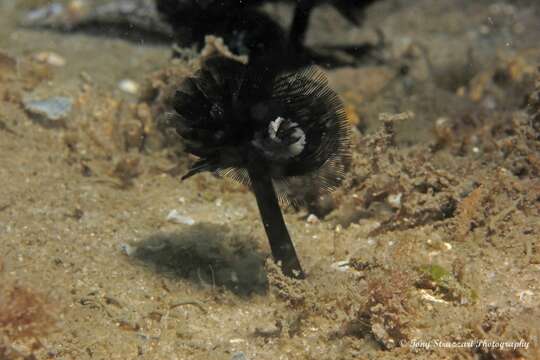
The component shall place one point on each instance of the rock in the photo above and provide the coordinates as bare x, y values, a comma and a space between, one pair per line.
394, 200
382, 336
239, 356
42, 14
267, 330
50, 58
312, 219
54, 109
175, 217
128, 249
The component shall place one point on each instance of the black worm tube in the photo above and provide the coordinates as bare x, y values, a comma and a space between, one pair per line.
280, 242
300, 22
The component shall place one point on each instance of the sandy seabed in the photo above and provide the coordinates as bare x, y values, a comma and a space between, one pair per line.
430, 250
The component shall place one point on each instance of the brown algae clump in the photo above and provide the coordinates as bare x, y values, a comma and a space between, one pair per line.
25, 316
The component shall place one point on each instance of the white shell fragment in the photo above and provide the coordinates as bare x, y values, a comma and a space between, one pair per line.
342, 265
175, 217
430, 298
128, 86
236, 341
525, 296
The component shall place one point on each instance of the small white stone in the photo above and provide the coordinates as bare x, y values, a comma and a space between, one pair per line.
236, 341
441, 122
312, 219
428, 297
128, 249
128, 86
50, 58
395, 200
175, 217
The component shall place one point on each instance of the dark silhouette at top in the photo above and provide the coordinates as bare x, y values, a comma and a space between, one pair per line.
247, 30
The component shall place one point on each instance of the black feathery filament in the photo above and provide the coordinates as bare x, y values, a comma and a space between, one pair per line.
264, 127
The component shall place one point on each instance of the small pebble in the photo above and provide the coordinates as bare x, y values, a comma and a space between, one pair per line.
236, 341
430, 298
395, 200
42, 14
128, 86
177, 218
50, 58
312, 219
52, 109
128, 249
239, 356
268, 330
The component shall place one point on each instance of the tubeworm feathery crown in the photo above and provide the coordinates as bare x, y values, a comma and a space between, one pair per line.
264, 127
293, 122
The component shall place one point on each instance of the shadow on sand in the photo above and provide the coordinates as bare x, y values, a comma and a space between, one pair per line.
208, 255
